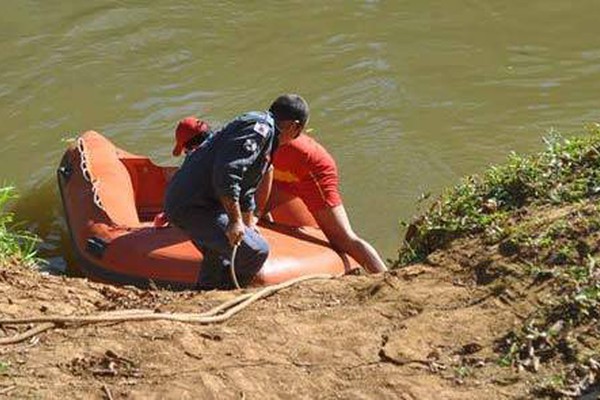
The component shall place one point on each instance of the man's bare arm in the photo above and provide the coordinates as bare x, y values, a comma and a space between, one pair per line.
235, 227
263, 192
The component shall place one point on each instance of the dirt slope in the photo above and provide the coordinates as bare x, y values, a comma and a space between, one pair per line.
416, 333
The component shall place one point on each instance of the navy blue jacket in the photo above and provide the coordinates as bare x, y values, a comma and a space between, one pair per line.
230, 162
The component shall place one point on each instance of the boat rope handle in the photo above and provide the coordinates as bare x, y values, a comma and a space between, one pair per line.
87, 175
232, 267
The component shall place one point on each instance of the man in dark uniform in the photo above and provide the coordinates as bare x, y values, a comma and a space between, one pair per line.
211, 197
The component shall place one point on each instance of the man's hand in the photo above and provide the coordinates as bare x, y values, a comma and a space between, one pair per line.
250, 220
235, 227
235, 232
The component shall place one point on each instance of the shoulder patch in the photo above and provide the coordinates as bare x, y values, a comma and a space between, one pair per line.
262, 129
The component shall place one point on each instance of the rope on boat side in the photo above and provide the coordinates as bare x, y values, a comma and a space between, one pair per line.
218, 314
87, 174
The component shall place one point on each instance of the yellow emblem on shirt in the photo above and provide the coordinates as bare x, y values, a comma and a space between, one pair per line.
285, 176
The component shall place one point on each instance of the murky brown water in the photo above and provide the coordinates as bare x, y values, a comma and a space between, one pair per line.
408, 96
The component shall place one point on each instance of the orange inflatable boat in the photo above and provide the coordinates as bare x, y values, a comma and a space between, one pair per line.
110, 198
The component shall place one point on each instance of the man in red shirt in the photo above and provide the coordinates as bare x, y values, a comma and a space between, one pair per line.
303, 168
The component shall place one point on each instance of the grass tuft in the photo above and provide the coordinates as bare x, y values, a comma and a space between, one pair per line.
17, 246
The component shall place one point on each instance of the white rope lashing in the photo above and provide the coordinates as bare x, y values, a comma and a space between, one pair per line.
87, 175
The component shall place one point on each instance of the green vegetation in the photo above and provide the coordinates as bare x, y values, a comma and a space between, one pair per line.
462, 372
16, 245
540, 216
568, 171
4, 366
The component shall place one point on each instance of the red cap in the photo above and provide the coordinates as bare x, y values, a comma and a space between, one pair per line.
186, 130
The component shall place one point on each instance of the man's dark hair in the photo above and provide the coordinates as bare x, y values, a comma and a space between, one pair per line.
290, 107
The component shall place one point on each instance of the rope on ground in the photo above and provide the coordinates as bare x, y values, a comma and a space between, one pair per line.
21, 337
218, 314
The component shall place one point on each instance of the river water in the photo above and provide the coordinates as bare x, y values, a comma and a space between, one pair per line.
407, 95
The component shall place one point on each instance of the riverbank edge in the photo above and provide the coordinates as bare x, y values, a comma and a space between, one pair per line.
528, 232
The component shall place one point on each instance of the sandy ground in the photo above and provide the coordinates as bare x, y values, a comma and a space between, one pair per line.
416, 333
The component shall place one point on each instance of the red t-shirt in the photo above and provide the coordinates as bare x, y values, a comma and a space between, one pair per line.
305, 169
